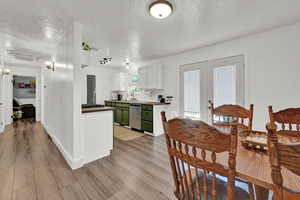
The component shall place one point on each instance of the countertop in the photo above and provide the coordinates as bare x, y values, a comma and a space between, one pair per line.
140, 102
96, 109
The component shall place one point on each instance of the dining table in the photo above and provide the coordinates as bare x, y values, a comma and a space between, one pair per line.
254, 167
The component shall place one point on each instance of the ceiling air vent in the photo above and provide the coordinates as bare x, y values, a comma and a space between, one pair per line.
26, 54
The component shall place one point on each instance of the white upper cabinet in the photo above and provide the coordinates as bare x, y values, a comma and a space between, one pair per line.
121, 82
150, 78
143, 78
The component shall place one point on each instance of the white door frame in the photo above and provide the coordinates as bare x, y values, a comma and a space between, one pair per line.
7, 99
206, 81
202, 66
38, 94
240, 79
2, 121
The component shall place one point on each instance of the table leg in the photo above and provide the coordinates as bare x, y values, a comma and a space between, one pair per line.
261, 193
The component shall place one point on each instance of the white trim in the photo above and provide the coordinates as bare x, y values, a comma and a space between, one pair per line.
203, 67
38, 89
206, 81
2, 111
73, 164
96, 157
239, 61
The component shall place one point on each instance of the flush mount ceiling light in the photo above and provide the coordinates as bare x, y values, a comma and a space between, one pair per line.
160, 9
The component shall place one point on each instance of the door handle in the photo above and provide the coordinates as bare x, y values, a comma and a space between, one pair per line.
209, 104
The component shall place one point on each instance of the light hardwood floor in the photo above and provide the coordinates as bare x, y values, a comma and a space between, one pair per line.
32, 168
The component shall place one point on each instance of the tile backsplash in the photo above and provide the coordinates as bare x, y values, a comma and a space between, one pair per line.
142, 95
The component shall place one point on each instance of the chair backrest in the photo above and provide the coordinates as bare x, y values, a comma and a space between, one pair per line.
289, 119
282, 155
193, 147
223, 114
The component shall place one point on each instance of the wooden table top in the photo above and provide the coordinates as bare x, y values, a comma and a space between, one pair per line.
251, 166
254, 167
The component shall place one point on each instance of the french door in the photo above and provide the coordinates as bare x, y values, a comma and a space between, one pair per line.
220, 81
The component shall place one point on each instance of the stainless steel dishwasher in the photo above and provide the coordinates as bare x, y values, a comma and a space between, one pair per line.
135, 115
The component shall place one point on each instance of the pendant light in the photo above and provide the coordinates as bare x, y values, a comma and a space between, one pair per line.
160, 9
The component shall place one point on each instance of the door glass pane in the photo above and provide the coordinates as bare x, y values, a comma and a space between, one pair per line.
192, 94
224, 80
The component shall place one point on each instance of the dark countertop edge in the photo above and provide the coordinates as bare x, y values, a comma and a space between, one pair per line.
142, 103
89, 110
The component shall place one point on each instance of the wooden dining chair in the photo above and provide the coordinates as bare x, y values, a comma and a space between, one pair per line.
289, 119
222, 115
283, 155
193, 147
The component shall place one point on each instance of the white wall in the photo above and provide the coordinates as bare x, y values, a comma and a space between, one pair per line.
58, 108
103, 83
7, 99
62, 98
272, 68
58, 98
34, 72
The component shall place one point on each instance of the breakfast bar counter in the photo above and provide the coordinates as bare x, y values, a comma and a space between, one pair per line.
96, 109
153, 103
97, 128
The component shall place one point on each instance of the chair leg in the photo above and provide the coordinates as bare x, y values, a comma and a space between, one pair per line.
251, 191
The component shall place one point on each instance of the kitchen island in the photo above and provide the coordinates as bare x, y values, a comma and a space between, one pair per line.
149, 119
97, 127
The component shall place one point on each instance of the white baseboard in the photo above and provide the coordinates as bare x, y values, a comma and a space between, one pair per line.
77, 163
97, 157
73, 164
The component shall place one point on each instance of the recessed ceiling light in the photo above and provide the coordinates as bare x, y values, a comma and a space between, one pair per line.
160, 9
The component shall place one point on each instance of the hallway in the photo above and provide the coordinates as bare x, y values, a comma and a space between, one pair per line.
31, 167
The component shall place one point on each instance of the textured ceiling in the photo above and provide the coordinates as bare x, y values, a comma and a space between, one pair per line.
123, 28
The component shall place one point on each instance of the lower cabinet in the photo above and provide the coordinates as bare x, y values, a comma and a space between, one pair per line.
122, 116
125, 116
118, 115
147, 126
147, 118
